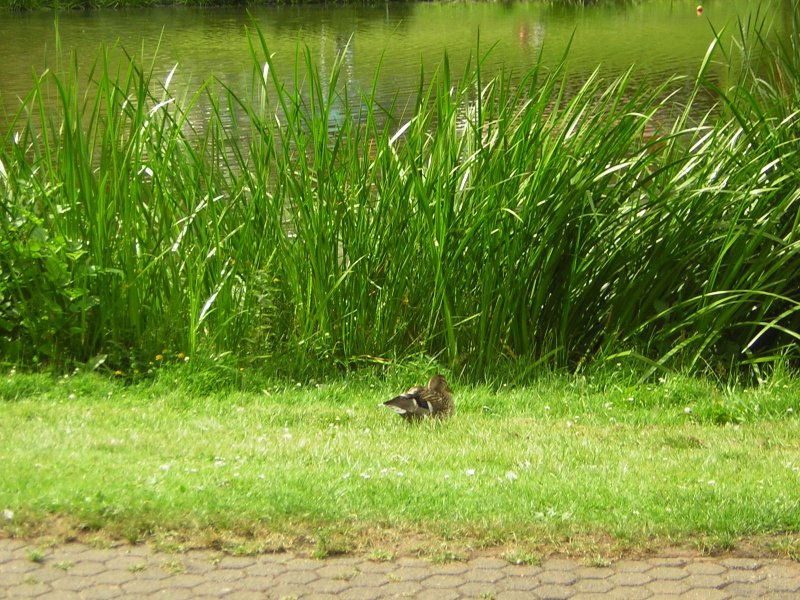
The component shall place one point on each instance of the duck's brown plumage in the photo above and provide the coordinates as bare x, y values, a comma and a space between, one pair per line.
418, 402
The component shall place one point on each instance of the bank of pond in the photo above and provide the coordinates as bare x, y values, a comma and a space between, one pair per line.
526, 219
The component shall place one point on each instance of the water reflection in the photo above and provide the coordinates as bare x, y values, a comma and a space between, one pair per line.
662, 38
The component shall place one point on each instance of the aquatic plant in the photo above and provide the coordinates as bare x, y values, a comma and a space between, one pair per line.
508, 219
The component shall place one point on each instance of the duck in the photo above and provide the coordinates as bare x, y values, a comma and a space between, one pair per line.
435, 400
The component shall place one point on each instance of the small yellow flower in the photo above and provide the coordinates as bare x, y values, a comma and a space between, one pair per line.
117, 373
159, 357
181, 356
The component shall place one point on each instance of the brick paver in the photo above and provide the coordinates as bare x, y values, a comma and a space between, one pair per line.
31, 570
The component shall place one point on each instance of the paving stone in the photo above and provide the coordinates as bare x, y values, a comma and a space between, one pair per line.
519, 583
174, 594
412, 562
225, 575
437, 594
667, 562
705, 568
362, 593
453, 568
398, 589
143, 586
485, 575
153, 573
185, 580
486, 562
667, 586
743, 590
60, 595
335, 571
783, 584
513, 595
113, 576
557, 577
213, 588
28, 590
475, 590
629, 593
10, 546
593, 573
87, 568
782, 596
236, 562
553, 592
287, 591
668, 573
630, 578
296, 577
101, 592
557, 564
704, 581
45, 575
411, 573
302, 564
20, 565
371, 566
593, 586
744, 576
70, 583
521, 570
264, 569
257, 583
705, 594
631, 566
442, 582
372, 580
100, 555
244, 595
328, 586
747, 564
123, 563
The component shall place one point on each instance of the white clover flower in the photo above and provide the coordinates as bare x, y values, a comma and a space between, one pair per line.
511, 476
470, 472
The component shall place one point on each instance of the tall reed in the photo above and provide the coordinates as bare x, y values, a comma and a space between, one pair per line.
499, 220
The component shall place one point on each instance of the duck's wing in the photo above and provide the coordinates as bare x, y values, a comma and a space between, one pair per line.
416, 402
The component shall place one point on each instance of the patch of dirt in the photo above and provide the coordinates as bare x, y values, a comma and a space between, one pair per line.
389, 542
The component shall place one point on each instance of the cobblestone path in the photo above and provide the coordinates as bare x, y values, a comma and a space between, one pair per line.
79, 571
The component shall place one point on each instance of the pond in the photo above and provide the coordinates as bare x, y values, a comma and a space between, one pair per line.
661, 38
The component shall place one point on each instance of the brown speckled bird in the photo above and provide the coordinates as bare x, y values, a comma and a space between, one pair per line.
436, 400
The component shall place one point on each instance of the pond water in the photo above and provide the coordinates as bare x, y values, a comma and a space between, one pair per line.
661, 38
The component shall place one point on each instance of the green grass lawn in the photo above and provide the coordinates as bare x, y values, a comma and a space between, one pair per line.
563, 465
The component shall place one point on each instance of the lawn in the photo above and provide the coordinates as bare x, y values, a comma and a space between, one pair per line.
599, 466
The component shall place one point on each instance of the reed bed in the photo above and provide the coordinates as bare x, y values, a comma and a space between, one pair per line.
499, 221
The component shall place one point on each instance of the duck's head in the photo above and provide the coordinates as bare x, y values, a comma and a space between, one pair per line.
438, 384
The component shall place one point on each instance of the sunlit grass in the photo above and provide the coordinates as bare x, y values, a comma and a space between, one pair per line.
530, 467
530, 220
